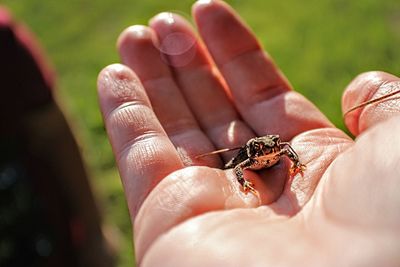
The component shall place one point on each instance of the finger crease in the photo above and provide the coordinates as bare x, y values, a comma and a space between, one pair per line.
245, 52
135, 103
266, 93
126, 148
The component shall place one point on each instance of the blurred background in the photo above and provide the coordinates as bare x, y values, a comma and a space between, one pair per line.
319, 45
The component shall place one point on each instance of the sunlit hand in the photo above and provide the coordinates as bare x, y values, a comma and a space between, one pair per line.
180, 95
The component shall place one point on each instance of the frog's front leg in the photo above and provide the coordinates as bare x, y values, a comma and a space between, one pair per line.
297, 166
247, 186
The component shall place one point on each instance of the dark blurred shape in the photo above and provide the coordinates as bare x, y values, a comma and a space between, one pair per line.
48, 215
26, 80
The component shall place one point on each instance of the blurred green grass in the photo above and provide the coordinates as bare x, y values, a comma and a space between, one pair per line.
319, 45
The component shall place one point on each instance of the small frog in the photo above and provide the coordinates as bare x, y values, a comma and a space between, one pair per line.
260, 153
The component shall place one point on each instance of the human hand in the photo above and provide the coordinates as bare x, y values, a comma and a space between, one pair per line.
343, 211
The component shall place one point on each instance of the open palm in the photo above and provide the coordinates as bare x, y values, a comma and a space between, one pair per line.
218, 91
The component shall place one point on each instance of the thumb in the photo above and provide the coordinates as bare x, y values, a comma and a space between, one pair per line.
365, 87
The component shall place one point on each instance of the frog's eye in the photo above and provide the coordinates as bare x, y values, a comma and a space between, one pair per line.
276, 139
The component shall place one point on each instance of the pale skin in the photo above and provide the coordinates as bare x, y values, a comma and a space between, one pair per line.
343, 211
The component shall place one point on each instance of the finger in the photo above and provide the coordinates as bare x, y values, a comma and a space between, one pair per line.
260, 91
365, 87
143, 151
199, 81
236, 51
138, 49
186, 194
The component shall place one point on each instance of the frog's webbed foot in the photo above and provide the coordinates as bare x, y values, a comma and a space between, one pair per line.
296, 168
249, 187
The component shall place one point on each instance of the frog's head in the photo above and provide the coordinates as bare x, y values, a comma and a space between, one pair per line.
269, 141
263, 145
275, 140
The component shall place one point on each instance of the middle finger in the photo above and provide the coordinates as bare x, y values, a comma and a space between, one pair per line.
199, 81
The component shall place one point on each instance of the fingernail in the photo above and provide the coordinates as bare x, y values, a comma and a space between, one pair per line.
204, 2
167, 17
139, 31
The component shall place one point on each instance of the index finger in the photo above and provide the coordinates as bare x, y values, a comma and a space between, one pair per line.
143, 151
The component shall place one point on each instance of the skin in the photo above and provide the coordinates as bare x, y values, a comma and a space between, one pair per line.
218, 89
